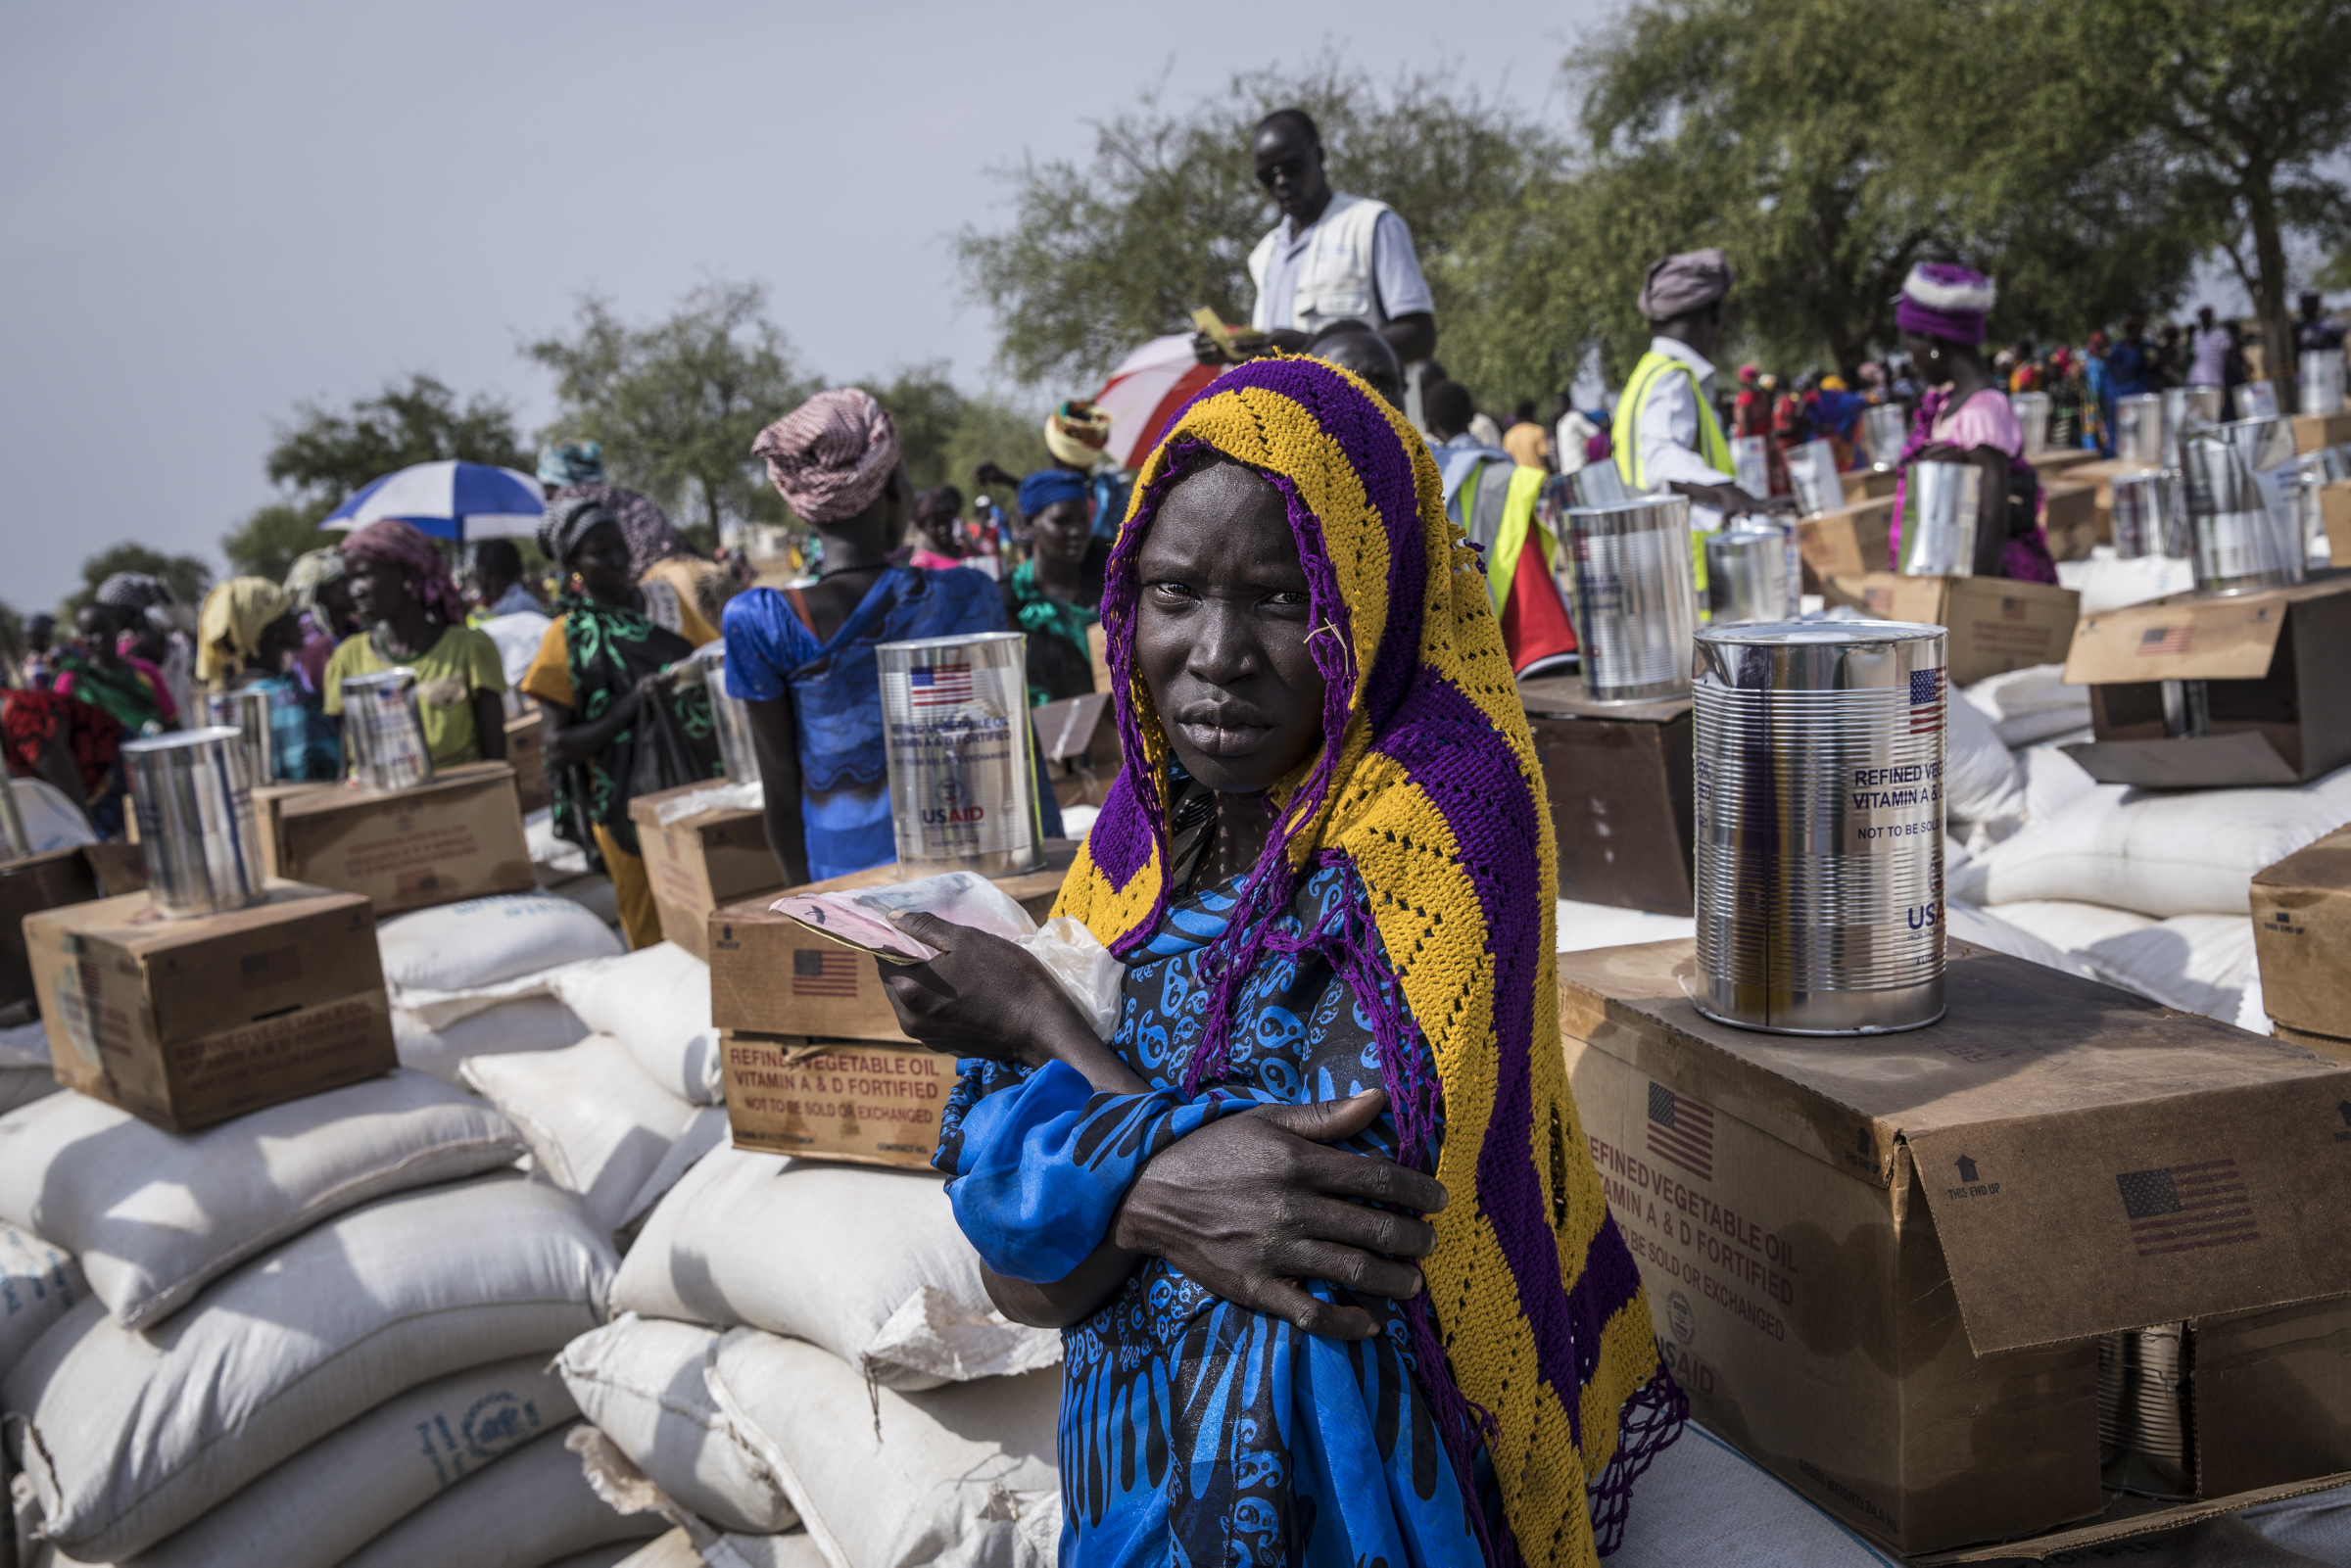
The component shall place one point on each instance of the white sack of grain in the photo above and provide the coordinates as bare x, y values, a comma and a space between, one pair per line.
2194, 963
154, 1215
40, 1282
1981, 783
595, 1123
342, 1492
2161, 853
639, 1380
442, 964
658, 1003
525, 1023
532, 1509
125, 1437
964, 1474
865, 1262
2029, 705
709, 1129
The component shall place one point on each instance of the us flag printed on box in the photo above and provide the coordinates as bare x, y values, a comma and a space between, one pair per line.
1681, 1132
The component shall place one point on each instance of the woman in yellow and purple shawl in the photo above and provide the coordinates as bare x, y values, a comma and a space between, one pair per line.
1327, 865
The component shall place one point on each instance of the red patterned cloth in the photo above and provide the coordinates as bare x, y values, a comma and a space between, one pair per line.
830, 456
28, 719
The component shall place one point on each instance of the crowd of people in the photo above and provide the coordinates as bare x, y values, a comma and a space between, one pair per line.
1259, 591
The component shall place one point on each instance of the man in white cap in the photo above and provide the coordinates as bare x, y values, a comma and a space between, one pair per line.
1665, 432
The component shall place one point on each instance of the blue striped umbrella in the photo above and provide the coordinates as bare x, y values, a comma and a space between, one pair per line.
449, 499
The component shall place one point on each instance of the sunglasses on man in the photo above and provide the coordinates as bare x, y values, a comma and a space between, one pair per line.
1292, 169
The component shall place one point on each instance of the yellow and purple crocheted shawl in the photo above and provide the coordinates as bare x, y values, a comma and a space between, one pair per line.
1427, 785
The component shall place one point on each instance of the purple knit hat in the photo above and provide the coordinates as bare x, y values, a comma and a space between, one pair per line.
1944, 299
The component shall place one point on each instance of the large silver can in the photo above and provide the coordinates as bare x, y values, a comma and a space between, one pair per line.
2321, 381
2149, 515
1746, 574
1750, 464
1885, 431
1812, 474
2240, 482
962, 768
1636, 598
1938, 519
2139, 432
2031, 410
246, 711
729, 715
383, 724
1819, 825
196, 825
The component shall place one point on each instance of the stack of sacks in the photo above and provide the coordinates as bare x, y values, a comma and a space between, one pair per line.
806, 1346
24, 1075
306, 1335
2151, 890
472, 978
619, 1116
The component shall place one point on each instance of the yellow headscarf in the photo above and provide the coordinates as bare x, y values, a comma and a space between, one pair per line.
1428, 785
229, 630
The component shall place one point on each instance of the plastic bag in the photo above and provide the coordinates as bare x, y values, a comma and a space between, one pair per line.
1085, 970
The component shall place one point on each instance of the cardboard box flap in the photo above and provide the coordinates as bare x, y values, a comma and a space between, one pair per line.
1067, 729
2063, 1225
2238, 759
1851, 1100
2322, 870
2184, 638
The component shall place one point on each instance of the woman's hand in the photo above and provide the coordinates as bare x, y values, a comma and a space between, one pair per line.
1250, 1205
983, 996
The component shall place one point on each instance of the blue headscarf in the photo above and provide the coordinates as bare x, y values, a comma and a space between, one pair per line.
578, 462
1046, 486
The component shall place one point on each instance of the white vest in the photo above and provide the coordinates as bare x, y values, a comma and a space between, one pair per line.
1335, 276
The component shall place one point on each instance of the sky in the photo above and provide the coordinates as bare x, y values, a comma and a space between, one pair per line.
213, 211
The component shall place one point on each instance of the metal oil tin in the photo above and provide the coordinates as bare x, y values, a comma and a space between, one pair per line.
246, 711
2244, 515
1812, 473
1746, 574
383, 724
2140, 437
1636, 602
729, 715
1938, 520
2321, 381
1819, 825
962, 765
2149, 519
1885, 431
196, 825
2032, 410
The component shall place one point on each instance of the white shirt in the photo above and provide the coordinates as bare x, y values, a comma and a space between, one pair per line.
1356, 259
1573, 435
1668, 422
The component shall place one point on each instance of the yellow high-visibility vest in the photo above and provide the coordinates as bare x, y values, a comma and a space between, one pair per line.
1713, 448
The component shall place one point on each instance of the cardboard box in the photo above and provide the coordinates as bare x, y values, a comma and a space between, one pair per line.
1866, 483
185, 1022
2315, 432
2334, 1045
771, 975
871, 1105
2066, 460
1097, 650
53, 881
456, 838
2335, 510
2074, 521
1880, 1267
2269, 666
1078, 739
1618, 778
1848, 542
1995, 623
2302, 936
700, 862
526, 754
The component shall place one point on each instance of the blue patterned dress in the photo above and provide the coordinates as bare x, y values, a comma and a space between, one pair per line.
1195, 1432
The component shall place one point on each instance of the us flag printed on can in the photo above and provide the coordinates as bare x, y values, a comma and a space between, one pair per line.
961, 755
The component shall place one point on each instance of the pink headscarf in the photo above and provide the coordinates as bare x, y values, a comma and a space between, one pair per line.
394, 542
830, 456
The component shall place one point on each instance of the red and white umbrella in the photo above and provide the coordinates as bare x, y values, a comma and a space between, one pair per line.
1144, 393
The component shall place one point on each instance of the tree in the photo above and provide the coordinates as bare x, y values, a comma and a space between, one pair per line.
677, 405
1102, 257
945, 433
1752, 126
2245, 105
266, 544
187, 576
324, 455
